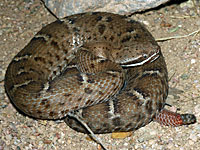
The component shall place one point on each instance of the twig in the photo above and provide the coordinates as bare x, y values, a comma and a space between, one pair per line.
182, 17
172, 76
92, 135
42, 1
177, 37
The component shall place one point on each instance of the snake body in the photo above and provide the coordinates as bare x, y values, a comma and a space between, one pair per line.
138, 103
135, 106
105, 67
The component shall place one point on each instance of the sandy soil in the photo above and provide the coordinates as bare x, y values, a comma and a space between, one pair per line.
20, 20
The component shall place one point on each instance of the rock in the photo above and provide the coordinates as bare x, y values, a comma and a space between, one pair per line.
64, 8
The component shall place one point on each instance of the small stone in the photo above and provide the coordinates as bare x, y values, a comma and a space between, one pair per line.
184, 76
121, 135
197, 127
69, 141
8, 137
198, 22
182, 148
173, 109
196, 109
47, 141
43, 122
126, 144
170, 145
32, 137
89, 138
1, 74
146, 23
188, 4
136, 146
193, 137
191, 142
151, 142
153, 132
141, 139
193, 61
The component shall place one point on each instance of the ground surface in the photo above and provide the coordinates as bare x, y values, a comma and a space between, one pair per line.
20, 20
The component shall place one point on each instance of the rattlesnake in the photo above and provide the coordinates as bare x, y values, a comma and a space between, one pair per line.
103, 67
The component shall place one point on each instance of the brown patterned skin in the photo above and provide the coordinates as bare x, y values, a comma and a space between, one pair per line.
135, 106
77, 62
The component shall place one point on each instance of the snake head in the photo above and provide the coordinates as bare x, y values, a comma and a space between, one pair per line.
137, 48
137, 55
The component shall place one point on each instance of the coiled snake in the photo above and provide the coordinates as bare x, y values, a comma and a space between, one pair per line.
104, 67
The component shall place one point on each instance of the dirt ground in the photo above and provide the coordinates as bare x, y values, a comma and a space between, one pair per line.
20, 20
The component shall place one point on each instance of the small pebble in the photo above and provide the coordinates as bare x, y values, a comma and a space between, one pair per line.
8, 137
170, 146
193, 137
196, 109
126, 144
182, 148
154, 132
193, 61
191, 142
32, 137
198, 22
47, 141
184, 76
151, 142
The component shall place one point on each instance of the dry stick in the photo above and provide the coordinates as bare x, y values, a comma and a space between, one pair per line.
177, 37
172, 76
49, 10
94, 137
182, 17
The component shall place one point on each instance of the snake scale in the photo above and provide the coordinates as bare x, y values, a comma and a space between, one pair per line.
104, 67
